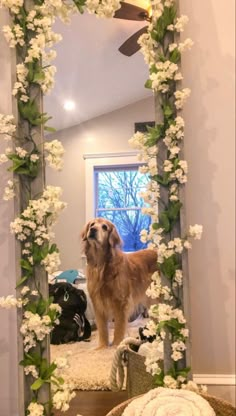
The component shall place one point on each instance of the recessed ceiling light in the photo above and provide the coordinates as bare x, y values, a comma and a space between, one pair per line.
69, 105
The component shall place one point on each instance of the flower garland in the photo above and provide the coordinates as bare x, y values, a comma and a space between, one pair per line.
167, 322
32, 37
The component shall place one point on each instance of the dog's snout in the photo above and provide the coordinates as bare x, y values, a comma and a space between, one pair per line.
92, 232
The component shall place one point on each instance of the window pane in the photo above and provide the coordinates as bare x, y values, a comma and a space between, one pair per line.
129, 223
120, 188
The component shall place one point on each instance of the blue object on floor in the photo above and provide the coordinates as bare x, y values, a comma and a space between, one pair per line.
69, 275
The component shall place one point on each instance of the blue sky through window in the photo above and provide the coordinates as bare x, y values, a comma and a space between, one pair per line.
117, 199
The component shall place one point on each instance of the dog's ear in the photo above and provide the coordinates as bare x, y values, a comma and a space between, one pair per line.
85, 232
114, 238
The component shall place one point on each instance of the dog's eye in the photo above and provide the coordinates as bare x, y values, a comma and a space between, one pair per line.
93, 223
104, 227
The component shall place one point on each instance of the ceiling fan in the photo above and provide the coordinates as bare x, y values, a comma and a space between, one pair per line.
129, 11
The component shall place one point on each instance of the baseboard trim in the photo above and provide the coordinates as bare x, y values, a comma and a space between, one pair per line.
215, 379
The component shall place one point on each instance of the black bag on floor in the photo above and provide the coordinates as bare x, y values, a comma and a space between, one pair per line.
73, 325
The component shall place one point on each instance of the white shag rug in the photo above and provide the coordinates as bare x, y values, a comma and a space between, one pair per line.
89, 369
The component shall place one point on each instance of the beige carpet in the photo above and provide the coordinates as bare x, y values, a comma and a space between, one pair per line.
89, 369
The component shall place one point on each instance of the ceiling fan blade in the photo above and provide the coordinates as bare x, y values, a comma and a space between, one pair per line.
131, 46
130, 12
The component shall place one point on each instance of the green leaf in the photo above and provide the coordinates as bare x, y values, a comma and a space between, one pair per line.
174, 323
31, 307
38, 76
50, 370
50, 129
60, 380
183, 372
167, 110
26, 265
53, 248
28, 110
155, 226
22, 280
80, 5
175, 56
164, 221
174, 210
168, 267
42, 306
37, 384
159, 379
162, 180
148, 84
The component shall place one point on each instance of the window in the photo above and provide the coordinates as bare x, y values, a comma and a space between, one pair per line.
117, 199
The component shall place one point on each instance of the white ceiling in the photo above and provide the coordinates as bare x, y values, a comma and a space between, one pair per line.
92, 72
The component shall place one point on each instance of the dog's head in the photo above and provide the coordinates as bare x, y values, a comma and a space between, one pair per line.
100, 231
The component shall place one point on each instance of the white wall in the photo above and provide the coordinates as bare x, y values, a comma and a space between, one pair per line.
8, 343
104, 134
209, 148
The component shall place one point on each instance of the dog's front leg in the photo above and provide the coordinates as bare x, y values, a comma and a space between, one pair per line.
121, 315
102, 326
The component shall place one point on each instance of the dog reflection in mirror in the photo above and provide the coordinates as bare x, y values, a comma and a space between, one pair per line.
117, 281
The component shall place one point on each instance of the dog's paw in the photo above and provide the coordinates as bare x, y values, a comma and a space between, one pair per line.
101, 347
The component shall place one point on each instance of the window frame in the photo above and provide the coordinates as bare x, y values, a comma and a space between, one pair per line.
108, 160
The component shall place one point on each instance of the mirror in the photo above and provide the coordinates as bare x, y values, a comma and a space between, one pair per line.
109, 97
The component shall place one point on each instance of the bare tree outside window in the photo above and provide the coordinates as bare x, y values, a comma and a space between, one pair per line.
117, 199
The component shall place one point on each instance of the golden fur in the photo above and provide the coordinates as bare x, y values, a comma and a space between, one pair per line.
117, 281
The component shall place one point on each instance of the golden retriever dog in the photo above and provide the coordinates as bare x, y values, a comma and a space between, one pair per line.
117, 281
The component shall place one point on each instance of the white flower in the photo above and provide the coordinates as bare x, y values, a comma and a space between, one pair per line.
176, 355
34, 157
51, 262
9, 191
25, 290
187, 44
62, 397
55, 152
166, 71
187, 244
147, 47
180, 23
34, 328
104, 8
195, 231
9, 302
31, 369
21, 152
143, 236
181, 97
6, 125
170, 382
3, 158
150, 329
55, 307
35, 409
184, 332
178, 277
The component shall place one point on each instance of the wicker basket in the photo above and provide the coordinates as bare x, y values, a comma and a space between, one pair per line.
138, 380
221, 407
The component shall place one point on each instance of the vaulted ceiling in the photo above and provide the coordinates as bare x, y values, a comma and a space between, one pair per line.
92, 72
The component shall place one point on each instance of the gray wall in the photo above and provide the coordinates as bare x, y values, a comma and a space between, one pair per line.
8, 343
